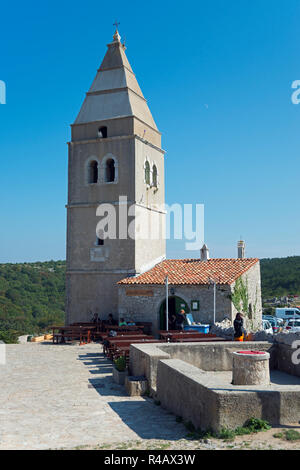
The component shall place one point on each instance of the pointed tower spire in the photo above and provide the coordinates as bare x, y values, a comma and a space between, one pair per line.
115, 92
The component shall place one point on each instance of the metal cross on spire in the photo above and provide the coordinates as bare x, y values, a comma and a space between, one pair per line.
116, 36
116, 24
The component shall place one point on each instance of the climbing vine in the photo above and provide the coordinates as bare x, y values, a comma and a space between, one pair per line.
240, 296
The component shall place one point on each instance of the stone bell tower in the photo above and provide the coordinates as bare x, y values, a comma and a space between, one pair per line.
115, 158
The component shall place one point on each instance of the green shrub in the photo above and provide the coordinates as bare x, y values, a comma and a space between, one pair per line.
120, 364
227, 434
292, 435
279, 435
9, 336
256, 424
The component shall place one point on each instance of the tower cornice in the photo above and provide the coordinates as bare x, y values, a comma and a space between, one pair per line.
110, 139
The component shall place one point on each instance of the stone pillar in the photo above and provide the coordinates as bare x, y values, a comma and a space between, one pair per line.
251, 368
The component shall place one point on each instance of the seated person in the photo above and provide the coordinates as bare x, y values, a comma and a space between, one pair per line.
95, 318
122, 322
110, 320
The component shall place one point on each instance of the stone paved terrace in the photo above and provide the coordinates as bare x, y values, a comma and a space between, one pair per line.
62, 396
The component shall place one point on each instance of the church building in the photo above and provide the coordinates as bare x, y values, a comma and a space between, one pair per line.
116, 161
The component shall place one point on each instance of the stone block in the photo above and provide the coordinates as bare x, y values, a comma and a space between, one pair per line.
119, 376
136, 386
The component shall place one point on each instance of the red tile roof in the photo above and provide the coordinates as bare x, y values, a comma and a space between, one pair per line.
194, 271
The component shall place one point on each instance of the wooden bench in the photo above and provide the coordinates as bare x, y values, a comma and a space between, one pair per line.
121, 334
172, 335
56, 337
198, 340
123, 348
110, 342
112, 350
70, 333
122, 328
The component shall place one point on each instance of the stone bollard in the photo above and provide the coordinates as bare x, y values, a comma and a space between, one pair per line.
251, 368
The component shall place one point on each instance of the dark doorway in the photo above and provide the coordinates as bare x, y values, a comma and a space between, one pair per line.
175, 304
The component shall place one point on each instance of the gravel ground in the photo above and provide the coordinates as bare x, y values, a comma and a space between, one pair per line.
260, 441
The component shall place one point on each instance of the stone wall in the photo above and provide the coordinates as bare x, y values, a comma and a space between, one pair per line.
180, 391
210, 402
216, 356
144, 358
193, 381
91, 292
252, 279
141, 307
288, 352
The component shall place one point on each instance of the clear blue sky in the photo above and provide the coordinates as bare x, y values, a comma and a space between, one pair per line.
217, 76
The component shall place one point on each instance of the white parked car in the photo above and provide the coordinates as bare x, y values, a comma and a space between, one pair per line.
293, 326
267, 327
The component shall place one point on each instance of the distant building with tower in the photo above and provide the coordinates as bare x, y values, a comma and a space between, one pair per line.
116, 159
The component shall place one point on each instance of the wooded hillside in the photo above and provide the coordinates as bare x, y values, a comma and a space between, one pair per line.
32, 295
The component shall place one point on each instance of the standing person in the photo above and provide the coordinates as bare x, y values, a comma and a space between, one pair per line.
172, 321
180, 320
238, 325
111, 320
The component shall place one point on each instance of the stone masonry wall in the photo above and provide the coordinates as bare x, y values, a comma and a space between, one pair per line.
146, 307
253, 280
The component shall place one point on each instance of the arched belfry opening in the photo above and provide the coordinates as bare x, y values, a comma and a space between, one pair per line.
147, 172
154, 176
93, 172
110, 170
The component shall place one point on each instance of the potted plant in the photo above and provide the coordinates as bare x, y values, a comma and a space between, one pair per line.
120, 371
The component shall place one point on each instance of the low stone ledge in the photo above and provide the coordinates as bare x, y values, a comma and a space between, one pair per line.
210, 401
181, 391
288, 358
208, 356
287, 338
143, 361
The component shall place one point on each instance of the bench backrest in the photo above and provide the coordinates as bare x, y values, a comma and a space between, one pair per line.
135, 341
129, 339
